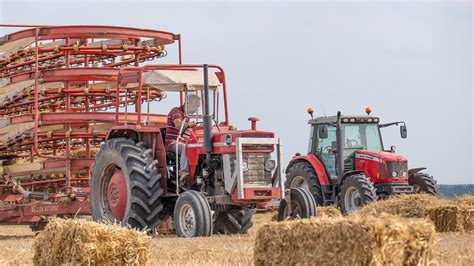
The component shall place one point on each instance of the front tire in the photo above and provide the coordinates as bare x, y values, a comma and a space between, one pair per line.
302, 205
356, 191
302, 174
234, 221
125, 185
423, 183
192, 215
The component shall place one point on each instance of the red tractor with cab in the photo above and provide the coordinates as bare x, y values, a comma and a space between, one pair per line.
347, 164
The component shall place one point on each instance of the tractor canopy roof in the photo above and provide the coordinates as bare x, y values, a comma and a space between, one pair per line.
344, 120
180, 80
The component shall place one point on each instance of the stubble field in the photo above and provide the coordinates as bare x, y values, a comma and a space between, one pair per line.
16, 244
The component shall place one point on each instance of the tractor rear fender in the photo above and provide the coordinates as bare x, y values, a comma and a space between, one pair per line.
413, 171
153, 139
128, 132
315, 163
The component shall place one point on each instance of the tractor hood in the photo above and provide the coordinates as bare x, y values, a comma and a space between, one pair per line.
379, 156
382, 166
223, 139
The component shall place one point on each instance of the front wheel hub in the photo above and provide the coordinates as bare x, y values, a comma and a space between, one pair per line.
117, 194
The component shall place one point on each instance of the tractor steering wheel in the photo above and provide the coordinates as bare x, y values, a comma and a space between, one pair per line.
328, 150
351, 143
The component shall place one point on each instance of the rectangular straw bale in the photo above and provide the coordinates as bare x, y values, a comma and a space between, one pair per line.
467, 199
80, 242
447, 215
351, 240
452, 218
406, 205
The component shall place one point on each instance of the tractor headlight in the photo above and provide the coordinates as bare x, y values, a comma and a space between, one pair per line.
270, 165
245, 166
394, 173
404, 173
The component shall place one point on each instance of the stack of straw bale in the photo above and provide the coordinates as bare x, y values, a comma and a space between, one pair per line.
351, 240
447, 215
80, 242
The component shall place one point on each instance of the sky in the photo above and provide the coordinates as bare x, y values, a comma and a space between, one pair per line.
410, 61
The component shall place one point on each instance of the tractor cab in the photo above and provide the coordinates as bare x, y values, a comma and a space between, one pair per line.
357, 133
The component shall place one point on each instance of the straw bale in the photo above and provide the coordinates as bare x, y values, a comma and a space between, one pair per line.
328, 211
406, 205
467, 199
80, 242
446, 215
350, 240
452, 218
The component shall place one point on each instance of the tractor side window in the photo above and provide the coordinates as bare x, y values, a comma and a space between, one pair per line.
326, 148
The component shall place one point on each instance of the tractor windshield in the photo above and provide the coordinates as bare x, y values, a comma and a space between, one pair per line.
362, 137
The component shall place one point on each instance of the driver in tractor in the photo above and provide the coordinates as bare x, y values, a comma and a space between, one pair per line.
179, 129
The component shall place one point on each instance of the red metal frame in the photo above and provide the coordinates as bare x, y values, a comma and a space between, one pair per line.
74, 62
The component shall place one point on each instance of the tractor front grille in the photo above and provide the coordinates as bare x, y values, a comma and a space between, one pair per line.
399, 167
255, 173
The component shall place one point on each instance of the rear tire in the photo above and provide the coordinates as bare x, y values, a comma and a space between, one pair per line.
139, 188
234, 221
356, 191
302, 205
192, 215
423, 183
303, 171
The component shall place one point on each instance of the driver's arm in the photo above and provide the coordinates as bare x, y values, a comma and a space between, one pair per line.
178, 123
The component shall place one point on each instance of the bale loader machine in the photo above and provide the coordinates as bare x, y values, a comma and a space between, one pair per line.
78, 136
347, 164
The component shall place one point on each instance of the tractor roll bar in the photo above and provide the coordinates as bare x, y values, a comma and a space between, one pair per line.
139, 78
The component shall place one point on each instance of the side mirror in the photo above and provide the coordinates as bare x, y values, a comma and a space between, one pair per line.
403, 131
322, 131
392, 149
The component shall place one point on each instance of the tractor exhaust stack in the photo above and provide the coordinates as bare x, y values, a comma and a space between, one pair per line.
340, 149
207, 117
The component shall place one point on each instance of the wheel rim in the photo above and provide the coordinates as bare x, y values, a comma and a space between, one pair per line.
113, 196
299, 181
296, 211
352, 199
187, 220
117, 194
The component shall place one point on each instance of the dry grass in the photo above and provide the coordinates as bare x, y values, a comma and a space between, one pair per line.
16, 248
